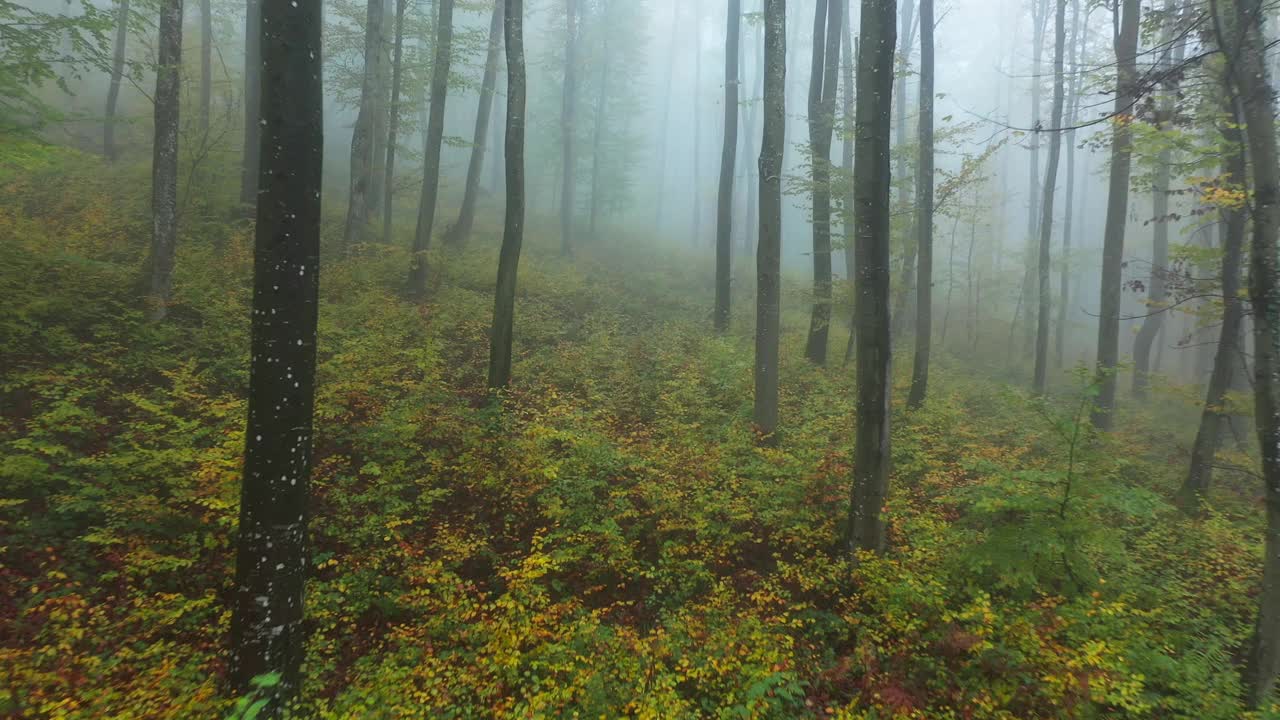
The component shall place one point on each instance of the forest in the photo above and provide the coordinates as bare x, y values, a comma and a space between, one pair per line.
655, 359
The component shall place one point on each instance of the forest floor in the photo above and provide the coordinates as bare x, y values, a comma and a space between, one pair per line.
614, 543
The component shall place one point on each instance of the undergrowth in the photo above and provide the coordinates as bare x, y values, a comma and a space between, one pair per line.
615, 543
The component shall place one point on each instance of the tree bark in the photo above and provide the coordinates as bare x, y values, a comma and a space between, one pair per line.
513, 230
360, 198
823, 81
117, 73
728, 163
1041, 377
850, 52
393, 122
568, 125
164, 159
866, 529
1153, 324
206, 66
461, 230
1247, 63
902, 310
1079, 38
251, 157
751, 236
379, 127
267, 632
769, 250
431, 154
1030, 280
1126, 48
924, 214
1213, 419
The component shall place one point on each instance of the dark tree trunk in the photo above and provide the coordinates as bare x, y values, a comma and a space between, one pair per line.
568, 125
393, 122
866, 529
431, 161
823, 80
379, 127
252, 117
459, 233
1126, 47
850, 52
924, 214
1078, 41
360, 199
1030, 280
728, 163
117, 73
1153, 324
597, 139
513, 231
206, 66
267, 633
1041, 377
1213, 418
753, 170
769, 250
902, 312
1249, 68
164, 159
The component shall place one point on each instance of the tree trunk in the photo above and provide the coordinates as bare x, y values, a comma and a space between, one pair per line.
1030, 280
924, 214
504, 304
1041, 378
459, 233
267, 632
1078, 41
1249, 67
751, 236
393, 122
568, 125
823, 80
206, 66
849, 52
769, 250
164, 159
902, 310
360, 199
1213, 419
597, 136
728, 163
431, 154
866, 529
1153, 324
117, 72
379, 127
1126, 48
252, 117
